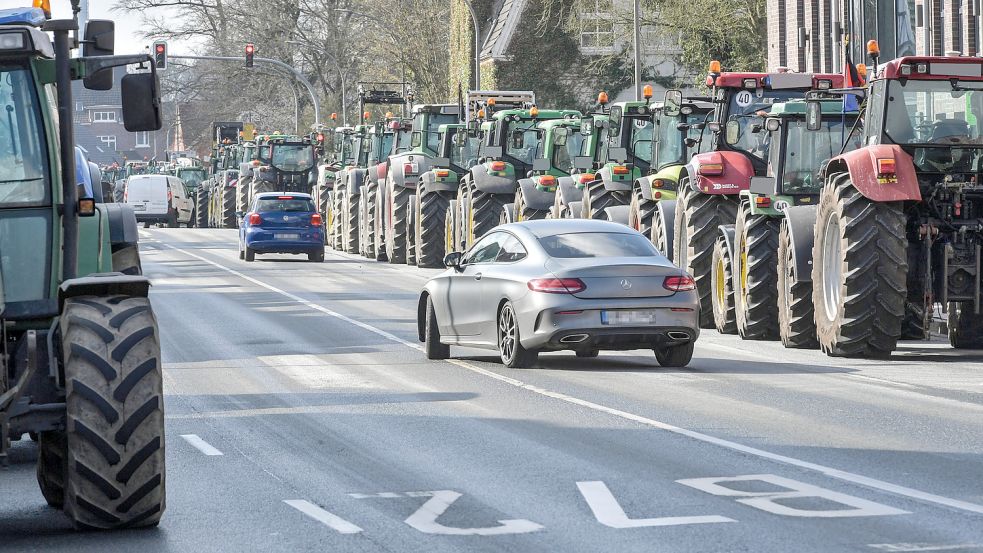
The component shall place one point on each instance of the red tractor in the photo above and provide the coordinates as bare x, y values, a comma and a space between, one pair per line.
711, 183
899, 224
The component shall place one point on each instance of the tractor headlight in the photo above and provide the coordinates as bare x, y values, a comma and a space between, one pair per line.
12, 41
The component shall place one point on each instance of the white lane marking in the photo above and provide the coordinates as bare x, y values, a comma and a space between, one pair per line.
608, 511
425, 519
838, 474
201, 445
386, 495
913, 547
769, 500
330, 520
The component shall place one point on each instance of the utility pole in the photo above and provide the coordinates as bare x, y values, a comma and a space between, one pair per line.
638, 50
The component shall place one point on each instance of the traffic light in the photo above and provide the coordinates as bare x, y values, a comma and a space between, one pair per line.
160, 54
250, 50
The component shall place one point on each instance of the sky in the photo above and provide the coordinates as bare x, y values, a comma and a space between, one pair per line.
128, 26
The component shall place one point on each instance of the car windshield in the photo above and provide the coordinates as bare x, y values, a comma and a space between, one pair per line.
933, 112
806, 151
300, 205
598, 244
23, 166
522, 140
746, 107
292, 157
192, 177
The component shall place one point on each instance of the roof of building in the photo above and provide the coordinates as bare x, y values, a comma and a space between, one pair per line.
508, 13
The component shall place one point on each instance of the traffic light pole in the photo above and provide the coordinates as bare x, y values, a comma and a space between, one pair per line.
276, 63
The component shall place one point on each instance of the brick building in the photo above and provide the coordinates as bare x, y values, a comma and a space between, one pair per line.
99, 127
812, 35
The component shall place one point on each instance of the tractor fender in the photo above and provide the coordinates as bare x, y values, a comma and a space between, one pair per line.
397, 166
736, 175
536, 198
103, 284
374, 174
801, 223
667, 211
429, 184
567, 191
607, 177
617, 214
644, 185
122, 224
862, 166
729, 233
356, 178
491, 184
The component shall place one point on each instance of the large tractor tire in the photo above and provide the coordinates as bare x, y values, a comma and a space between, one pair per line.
114, 413
965, 326
482, 215
659, 234
796, 323
378, 211
242, 194
756, 285
722, 299
597, 199
350, 231
365, 247
573, 211
397, 202
431, 226
126, 260
338, 219
525, 213
508, 214
411, 210
858, 274
229, 208
201, 209
53, 466
640, 213
913, 326
698, 217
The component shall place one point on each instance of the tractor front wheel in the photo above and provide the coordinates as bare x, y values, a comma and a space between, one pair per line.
432, 230
722, 299
397, 203
640, 213
965, 326
796, 323
756, 288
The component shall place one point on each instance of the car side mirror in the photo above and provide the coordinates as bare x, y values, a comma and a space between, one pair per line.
141, 102
99, 40
453, 261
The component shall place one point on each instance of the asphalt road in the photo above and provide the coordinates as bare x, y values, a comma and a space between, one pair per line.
302, 416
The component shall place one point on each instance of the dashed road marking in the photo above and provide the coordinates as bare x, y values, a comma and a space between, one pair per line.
201, 445
915, 547
830, 472
330, 520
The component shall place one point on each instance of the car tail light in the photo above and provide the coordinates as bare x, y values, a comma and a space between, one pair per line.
587, 178
497, 166
557, 285
679, 283
620, 170
316, 220
711, 169
255, 219
284, 197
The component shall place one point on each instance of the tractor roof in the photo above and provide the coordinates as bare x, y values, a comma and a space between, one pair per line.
776, 81
543, 114
553, 123
630, 104
446, 109
933, 68
446, 127
37, 42
797, 108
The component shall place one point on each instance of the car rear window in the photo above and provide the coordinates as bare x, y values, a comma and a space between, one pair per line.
598, 244
281, 204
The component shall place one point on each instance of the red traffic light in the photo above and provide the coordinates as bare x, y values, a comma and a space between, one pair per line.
160, 48
250, 49
160, 54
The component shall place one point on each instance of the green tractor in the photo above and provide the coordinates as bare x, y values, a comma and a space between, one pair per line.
80, 367
508, 125
755, 292
569, 197
349, 183
560, 145
282, 163
346, 153
247, 157
385, 138
435, 194
678, 133
216, 200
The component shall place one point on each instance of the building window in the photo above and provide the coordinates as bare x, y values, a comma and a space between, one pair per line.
79, 107
661, 40
103, 116
142, 139
109, 142
597, 28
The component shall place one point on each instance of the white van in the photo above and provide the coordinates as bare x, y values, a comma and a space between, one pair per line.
158, 199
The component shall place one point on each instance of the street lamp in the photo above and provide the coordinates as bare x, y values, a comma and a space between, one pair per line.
341, 75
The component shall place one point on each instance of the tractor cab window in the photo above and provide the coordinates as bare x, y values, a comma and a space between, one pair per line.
464, 149
192, 177
292, 157
388, 139
23, 165
640, 142
568, 146
806, 151
522, 141
403, 141
434, 123
748, 108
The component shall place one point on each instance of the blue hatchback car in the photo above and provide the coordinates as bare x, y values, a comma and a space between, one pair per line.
280, 222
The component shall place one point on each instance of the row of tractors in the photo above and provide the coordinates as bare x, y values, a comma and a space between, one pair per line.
844, 218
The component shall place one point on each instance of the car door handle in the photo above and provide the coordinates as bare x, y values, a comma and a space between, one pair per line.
477, 276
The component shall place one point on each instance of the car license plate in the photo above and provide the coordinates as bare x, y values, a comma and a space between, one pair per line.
139, 207
628, 316
286, 236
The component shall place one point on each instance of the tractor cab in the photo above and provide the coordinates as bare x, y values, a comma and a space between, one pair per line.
427, 120
289, 163
513, 138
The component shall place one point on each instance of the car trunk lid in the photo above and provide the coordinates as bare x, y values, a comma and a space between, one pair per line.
617, 277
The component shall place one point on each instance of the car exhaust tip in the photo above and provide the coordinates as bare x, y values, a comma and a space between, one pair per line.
573, 339
677, 335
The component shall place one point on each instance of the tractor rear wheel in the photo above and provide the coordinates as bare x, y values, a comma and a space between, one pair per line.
525, 213
796, 325
350, 233
640, 213
451, 225
431, 224
483, 214
965, 326
365, 247
597, 198
338, 217
698, 217
201, 209
242, 194
52, 467
378, 225
114, 413
659, 234
411, 231
397, 201
722, 298
756, 285
228, 209
126, 260
858, 273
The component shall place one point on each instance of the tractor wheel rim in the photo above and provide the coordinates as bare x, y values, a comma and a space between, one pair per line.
744, 270
507, 333
832, 268
719, 283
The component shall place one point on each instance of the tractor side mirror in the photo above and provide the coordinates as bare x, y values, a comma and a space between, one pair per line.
814, 115
682, 127
733, 132
691, 142
713, 126
541, 164
99, 40
583, 162
141, 102
673, 102
764, 185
